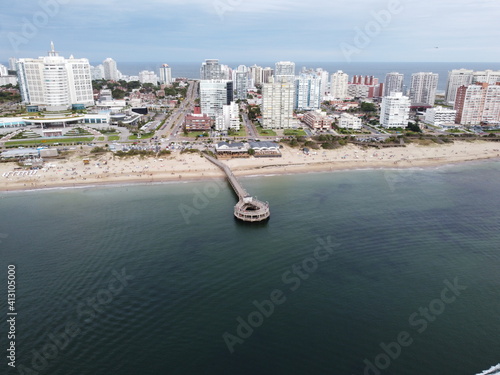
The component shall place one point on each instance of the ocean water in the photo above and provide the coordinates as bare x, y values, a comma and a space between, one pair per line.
156, 279
377, 69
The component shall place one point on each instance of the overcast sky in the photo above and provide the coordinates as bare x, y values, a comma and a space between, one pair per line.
254, 30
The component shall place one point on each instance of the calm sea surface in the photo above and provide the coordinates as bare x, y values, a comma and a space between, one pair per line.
157, 279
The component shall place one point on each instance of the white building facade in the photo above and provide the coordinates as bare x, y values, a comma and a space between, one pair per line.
214, 94
338, 85
395, 111
307, 92
348, 121
393, 83
277, 105
165, 74
55, 82
439, 115
423, 88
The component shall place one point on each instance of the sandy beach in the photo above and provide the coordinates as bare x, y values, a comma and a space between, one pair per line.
109, 169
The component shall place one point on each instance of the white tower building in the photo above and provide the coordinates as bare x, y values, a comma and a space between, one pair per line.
338, 85
55, 82
395, 111
423, 88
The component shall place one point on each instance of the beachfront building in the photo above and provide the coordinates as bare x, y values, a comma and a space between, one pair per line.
265, 149
438, 116
54, 82
214, 94
165, 74
277, 105
393, 83
338, 85
478, 103
348, 121
317, 120
457, 78
307, 92
232, 150
423, 89
395, 111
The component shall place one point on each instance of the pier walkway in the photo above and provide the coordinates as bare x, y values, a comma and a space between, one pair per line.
247, 208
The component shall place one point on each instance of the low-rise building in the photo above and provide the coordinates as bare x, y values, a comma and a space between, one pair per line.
440, 115
317, 120
348, 121
198, 122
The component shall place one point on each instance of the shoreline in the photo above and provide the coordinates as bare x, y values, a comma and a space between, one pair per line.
106, 170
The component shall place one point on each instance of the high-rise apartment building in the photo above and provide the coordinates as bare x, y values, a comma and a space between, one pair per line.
307, 91
478, 103
97, 72
241, 84
211, 69
12, 63
277, 105
110, 69
284, 71
55, 82
256, 75
490, 77
165, 74
395, 111
267, 73
393, 83
423, 88
338, 85
457, 78
214, 94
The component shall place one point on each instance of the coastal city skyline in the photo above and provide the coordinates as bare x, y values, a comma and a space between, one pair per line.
265, 187
272, 30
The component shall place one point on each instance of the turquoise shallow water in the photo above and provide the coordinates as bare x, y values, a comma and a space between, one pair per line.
397, 240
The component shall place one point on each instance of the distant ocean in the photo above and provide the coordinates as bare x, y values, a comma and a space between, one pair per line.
399, 276
377, 69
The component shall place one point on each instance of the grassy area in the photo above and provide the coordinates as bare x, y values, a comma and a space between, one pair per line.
296, 132
100, 139
143, 136
240, 133
49, 141
266, 132
113, 138
196, 134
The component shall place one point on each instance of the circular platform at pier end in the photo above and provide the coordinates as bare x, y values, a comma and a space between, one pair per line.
252, 211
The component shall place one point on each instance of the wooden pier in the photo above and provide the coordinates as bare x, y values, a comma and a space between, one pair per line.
247, 208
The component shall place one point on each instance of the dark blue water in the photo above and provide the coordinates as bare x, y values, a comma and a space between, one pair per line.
153, 279
377, 69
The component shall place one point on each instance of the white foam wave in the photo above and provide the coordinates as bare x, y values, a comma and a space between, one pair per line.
494, 370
